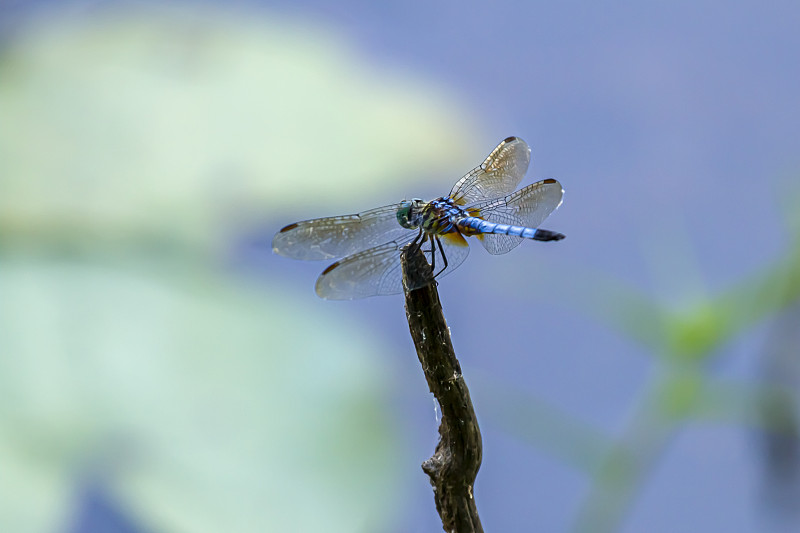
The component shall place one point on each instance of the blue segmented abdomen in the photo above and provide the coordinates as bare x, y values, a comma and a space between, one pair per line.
478, 225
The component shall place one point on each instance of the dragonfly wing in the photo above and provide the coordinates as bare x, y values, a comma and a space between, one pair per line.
372, 272
498, 175
378, 271
527, 207
331, 237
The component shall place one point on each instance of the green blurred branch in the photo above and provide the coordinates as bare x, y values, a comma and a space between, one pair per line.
684, 341
683, 391
540, 424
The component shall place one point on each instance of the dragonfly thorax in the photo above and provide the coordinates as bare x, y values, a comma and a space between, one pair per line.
435, 217
439, 216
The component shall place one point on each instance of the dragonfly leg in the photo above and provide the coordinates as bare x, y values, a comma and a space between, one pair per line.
444, 257
433, 254
416, 242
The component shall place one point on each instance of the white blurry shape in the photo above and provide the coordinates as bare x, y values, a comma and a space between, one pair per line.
204, 405
188, 121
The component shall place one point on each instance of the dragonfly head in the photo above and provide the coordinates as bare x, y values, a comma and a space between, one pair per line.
408, 213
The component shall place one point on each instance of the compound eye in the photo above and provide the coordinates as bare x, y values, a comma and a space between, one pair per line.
404, 214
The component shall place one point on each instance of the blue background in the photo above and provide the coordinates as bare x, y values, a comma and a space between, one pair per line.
674, 128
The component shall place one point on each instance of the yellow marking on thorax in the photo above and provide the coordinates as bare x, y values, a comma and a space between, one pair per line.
455, 238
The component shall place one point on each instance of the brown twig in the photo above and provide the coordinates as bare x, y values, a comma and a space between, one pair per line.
455, 463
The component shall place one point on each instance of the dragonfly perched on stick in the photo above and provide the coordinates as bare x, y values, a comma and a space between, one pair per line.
481, 205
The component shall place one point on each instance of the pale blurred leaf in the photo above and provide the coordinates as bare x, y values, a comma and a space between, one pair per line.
189, 121
133, 144
203, 406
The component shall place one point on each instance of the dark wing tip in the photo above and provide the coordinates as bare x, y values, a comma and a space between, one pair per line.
509, 139
288, 228
327, 270
549, 180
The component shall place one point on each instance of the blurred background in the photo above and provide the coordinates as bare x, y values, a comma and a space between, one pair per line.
161, 371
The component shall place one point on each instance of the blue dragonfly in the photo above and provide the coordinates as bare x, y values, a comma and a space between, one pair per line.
481, 204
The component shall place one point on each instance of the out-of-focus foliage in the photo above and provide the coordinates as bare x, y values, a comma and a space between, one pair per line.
186, 395
131, 144
160, 123
135, 143
683, 390
779, 409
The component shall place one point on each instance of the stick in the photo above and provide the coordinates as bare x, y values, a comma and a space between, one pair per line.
455, 463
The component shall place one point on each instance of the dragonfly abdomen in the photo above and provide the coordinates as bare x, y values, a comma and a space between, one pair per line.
477, 226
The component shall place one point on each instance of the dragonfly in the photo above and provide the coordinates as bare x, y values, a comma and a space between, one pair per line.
482, 204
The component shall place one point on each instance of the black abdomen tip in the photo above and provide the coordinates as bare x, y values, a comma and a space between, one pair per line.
547, 235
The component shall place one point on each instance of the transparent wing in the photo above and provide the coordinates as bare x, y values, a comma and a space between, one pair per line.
373, 272
498, 175
527, 207
327, 238
378, 271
